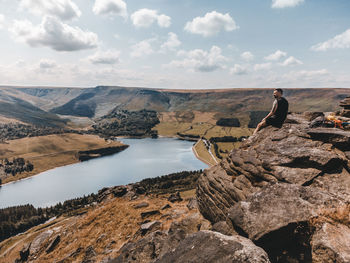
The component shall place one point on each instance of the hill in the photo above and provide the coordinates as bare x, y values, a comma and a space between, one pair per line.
47, 105
95, 102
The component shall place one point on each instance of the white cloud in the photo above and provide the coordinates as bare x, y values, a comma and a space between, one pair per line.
211, 24
339, 41
247, 56
47, 64
146, 17
291, 61
172, 43
263, 66
143, 48
2, 21
201, 60
110, 7
108, 57
54, 34
64, 9
307, 74
285, 3
239, 70
164, 20
276, 56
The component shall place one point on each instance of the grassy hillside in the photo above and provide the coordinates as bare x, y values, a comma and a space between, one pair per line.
96, 101
47, 152
16, 105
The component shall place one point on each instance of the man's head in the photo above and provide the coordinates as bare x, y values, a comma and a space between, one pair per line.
277, 93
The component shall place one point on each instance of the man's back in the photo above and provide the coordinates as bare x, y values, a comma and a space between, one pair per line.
282, 109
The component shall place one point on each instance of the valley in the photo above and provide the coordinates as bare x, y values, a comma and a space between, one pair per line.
73, 116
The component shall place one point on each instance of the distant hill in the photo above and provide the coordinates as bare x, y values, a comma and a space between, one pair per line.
18, 106
42, 104
96, 102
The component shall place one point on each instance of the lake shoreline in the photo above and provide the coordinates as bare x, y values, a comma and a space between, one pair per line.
197, 155
144, 159
119, 139
122, 148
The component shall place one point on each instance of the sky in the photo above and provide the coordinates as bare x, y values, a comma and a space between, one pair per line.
182, 44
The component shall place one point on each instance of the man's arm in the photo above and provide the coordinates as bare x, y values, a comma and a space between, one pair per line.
273, 110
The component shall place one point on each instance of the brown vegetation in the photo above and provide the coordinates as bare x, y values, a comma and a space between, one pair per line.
47, 152
106, 227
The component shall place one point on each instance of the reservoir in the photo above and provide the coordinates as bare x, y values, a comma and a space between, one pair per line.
145, 158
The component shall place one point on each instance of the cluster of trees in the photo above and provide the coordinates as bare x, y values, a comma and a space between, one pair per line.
17, 165
170, 183
12, 131
228, 122
127, 123
17, 219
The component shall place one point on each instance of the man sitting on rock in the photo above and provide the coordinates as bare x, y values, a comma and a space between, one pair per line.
278, 113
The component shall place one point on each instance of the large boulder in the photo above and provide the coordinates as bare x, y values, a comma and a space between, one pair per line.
278, 206
208, 246
279, 218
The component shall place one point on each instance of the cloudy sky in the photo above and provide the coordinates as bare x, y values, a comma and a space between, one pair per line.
188, 44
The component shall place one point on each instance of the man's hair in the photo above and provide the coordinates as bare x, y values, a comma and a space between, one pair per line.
280, 90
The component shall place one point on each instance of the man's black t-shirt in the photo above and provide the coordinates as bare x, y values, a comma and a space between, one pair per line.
282, 109
280, 114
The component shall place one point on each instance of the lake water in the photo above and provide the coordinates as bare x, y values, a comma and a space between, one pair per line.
145, 158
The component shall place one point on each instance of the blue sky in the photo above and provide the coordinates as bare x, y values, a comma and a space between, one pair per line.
186, 44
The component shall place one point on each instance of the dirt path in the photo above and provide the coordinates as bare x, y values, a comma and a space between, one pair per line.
200, 158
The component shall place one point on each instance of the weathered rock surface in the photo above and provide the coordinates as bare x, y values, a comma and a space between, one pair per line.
223, 228
331, 243
150, 226
39, 241
208, 246
294, 154
277, 206
145, 249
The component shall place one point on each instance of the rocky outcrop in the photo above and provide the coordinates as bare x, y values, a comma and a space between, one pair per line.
277, 206
208, 246
294, 154
156, 244
275, 187
277, 218
183, 243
